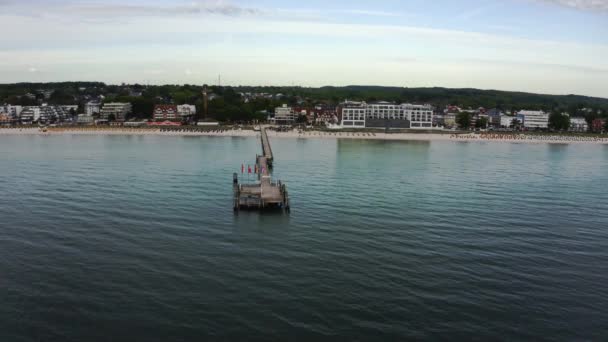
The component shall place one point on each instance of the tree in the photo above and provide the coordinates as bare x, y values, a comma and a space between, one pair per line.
481, 122
61, 97
606, 126
559, 121
515, 123
111, 118
301, 119
464, 120
590, 116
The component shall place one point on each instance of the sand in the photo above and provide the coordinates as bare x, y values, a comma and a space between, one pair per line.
440, 136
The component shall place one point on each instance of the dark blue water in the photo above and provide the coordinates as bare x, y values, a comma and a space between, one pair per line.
122, 238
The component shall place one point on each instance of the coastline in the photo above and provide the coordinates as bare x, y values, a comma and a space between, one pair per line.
439, 136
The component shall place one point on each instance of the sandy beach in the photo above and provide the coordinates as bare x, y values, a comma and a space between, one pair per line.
439, 136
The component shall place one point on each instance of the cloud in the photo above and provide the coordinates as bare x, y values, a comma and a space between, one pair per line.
32, 70
372, 13
154, 71
100, 10
587, 5
202, 7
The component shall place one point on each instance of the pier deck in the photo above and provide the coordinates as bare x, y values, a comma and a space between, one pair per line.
266, 149
263, 194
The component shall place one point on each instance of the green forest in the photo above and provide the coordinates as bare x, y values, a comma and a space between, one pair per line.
229, 105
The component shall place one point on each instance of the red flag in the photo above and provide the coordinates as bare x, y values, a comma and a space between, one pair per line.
249, 167
242, 168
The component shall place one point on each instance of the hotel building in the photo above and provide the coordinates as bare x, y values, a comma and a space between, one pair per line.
534, 119
92, 107
385, 115
284, 115
120, 110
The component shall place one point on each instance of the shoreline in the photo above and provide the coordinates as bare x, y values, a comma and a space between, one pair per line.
439, 136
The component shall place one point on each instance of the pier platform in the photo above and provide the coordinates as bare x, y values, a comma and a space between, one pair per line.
263, 194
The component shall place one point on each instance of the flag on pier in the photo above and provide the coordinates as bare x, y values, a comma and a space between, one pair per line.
242, 168
256, 169
249, 168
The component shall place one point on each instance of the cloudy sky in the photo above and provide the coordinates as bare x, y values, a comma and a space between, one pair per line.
547, 46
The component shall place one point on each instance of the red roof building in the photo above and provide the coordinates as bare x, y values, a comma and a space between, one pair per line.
597, 125
165, 112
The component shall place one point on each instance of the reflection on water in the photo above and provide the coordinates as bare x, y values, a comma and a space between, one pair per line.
386, 240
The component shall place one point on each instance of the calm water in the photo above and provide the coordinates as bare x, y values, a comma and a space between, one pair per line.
134, 238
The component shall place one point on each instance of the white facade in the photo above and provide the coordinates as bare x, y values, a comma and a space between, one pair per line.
30, 114
186, 110
578, 125
506, 121
357, 114
353, 114
92, 108
534, 119
120, 110
284, 115
85, 119
12, 111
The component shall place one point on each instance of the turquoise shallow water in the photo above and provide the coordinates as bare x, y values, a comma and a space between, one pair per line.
133, 238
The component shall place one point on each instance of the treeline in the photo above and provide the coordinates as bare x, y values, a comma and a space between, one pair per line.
229, 105
441, 97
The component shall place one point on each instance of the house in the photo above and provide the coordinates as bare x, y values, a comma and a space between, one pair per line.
92, 107
578, 124
186, 110
5, 119
165, 112
12, 111
598, 125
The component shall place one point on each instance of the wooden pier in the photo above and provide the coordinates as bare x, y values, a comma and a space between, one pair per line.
263, 194
266, 149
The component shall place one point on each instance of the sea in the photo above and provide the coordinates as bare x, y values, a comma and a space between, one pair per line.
134, 238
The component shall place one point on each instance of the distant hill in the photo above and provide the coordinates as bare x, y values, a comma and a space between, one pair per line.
465, 97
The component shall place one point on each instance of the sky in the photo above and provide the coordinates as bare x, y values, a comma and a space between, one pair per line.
541, 46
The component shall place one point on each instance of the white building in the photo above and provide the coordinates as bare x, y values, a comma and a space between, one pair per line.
578, 124
353, 114
118, 110
30, 114
92, 107
12, 111
506, 121
386, 115
85, 119
186, 110
284, 115
534, 119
